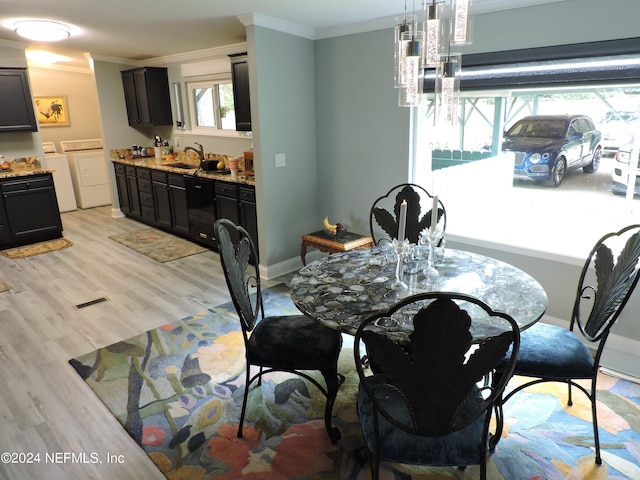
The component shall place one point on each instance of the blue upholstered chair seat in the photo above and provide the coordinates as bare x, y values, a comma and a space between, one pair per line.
294, 342
553, 354
457, 449
549, 351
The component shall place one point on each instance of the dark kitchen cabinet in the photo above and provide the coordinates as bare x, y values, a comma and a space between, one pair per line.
145, 191
132, 187
186, 205
248, 212
5, 229
17, 113
123, 189
179, 207
162, 200
241, 97
29, 210
227, 201
128, 192
146, 93
170, 198
238, 204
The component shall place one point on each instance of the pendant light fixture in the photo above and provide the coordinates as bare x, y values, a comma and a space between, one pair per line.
447, 89
430, 39
460, 22
409, 94
404, 24
433, 31
410, 51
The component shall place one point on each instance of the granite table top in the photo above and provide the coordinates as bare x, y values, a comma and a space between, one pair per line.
342, 289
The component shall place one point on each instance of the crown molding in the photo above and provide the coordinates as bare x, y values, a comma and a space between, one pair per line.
272, 23
198, 55
187, 57
59, 67
107, 58
487, 6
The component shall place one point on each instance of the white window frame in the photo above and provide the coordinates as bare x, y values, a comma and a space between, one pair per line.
208, 82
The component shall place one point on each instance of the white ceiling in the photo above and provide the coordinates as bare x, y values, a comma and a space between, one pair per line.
144, 29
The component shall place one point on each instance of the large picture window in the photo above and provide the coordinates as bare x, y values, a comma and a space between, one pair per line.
476, 180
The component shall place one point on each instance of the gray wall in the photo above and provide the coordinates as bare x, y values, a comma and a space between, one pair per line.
283, 114
362, 135
116, 131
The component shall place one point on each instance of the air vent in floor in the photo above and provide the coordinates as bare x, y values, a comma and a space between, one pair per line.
91, 302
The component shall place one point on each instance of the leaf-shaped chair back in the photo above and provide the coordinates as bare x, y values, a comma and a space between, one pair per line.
608, 278
243, 279
386, 211
437, 373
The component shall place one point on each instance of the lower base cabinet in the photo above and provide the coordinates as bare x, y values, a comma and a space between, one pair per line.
28, 210
184, 204
170, 201
248, 212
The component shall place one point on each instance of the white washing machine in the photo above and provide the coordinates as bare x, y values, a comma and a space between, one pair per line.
88, 166
61, 177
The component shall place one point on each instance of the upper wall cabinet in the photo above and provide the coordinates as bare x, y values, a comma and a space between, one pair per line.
146, 92
241, 100
16, 113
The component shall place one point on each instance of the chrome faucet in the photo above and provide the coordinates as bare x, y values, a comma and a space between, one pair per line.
200, 152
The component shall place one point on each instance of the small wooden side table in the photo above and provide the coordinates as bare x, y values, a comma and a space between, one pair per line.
333, 244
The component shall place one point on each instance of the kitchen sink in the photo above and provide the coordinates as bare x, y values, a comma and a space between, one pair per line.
185, 166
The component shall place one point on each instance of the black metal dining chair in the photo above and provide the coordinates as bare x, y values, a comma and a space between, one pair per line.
429, 401
385, 212
292, 343
550, 353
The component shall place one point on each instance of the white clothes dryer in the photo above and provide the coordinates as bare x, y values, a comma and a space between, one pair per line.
88, 165
61, 177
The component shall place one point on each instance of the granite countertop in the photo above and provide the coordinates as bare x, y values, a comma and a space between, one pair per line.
25, 166
125, 157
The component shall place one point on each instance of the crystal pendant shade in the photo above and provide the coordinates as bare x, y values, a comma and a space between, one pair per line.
425, 43
448, 89
460, 22
433, 31
404, 25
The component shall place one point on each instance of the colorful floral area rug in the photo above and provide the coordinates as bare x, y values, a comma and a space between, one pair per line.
161, 246
178, 391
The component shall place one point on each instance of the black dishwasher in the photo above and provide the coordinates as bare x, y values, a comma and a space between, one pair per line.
201, 208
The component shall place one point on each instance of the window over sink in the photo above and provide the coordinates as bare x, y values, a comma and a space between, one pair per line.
211, 108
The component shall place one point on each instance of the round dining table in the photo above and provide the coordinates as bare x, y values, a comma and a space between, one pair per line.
343, 289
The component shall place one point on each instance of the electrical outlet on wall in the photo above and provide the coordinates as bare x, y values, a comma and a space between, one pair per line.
281, 160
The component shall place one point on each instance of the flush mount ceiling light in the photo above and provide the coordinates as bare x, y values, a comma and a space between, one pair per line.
42, 30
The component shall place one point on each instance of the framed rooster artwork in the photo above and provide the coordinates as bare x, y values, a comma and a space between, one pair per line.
52, 111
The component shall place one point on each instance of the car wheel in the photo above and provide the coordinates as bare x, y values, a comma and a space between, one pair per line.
559, 172
595, 162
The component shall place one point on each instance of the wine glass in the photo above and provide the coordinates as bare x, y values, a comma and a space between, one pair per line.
432, 238
401, 249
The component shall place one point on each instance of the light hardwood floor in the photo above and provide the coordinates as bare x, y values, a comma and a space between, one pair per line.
45, 407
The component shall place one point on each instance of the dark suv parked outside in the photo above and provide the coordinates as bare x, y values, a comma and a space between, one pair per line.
547, 146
